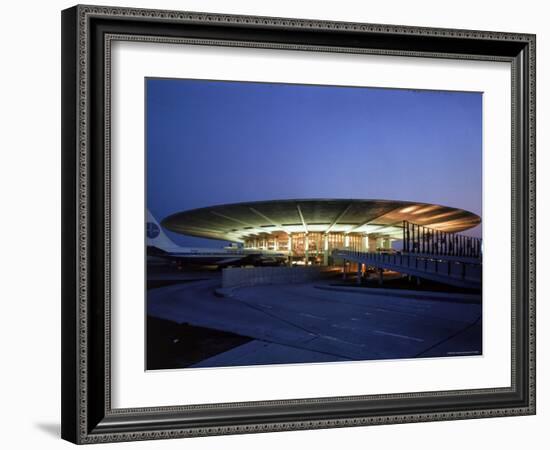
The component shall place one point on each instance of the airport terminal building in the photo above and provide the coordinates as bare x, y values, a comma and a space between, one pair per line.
308, 230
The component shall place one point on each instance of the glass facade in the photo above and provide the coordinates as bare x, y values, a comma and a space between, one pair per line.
316, 246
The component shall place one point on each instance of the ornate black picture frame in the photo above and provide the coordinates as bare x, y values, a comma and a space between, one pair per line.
87, 414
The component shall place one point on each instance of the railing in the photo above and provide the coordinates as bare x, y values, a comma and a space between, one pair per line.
418, 239
458, 271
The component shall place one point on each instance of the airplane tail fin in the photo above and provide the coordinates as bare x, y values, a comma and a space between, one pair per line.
156, 237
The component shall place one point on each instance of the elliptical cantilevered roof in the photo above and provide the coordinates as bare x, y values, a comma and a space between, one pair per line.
235, 222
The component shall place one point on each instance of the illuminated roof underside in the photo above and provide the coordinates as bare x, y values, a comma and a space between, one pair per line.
238, 221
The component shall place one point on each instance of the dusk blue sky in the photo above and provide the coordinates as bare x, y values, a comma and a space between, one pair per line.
212, 142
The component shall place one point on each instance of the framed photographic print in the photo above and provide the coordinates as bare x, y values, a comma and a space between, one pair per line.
280, 224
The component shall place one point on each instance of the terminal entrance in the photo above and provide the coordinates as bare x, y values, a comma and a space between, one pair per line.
316, 248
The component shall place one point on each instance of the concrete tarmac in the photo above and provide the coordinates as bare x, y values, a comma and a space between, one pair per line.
301, 323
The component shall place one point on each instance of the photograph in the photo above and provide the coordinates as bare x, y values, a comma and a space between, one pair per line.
301, 223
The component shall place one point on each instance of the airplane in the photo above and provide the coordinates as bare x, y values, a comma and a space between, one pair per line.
161, 250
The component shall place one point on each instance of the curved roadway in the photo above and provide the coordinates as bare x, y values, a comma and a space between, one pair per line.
300, 323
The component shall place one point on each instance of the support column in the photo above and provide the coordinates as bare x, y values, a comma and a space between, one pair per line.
371, 244
306, 246
404, 246
289, 250
325, 250
344, 270
317, 248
